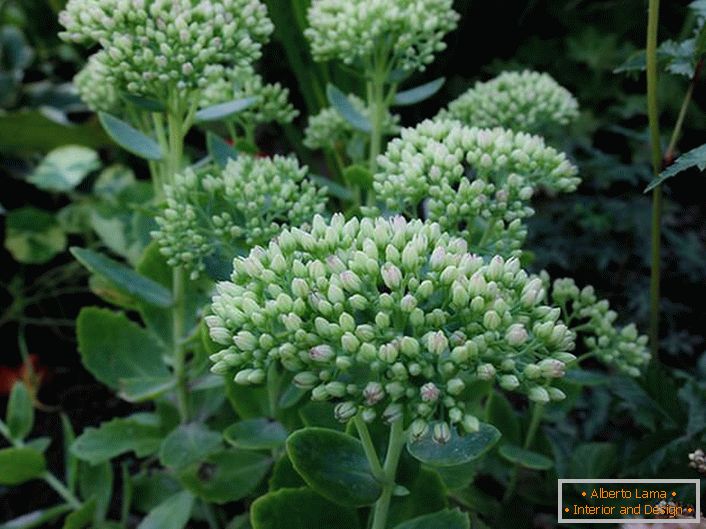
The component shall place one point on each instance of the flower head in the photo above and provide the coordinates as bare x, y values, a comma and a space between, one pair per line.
474, 182
94, 87
352, 31
522, 101
328, 129
271, 100
374, 343
161, 47
222, 212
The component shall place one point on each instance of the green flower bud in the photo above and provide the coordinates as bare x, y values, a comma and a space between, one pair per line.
538, 394
344, 411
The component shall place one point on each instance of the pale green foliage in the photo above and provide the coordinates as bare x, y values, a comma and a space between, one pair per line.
157, 47
271, 100
221, 212
353, 31
329, 129
620, 347
524, 101
388, 316
475, 182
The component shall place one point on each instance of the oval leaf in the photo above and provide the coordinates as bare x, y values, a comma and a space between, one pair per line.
129, 138
525, 458
448, 519
256, 434
224, 110
334, 465
64, 168
419, 93
33, 236
226, 476
459, 449
18, 465
300, 509
20, 412
110, 439
345, 108
124, 278
173, 513
188, 444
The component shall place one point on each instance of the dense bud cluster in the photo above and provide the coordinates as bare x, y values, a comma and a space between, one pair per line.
353, 31
697, 460
271, 100
620, 347
523, 101
153, 47
94, 87
328, 129
475, 182
388, 318
221, 213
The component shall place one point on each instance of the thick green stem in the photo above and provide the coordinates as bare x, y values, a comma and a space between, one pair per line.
535, 421
377, 102
653, 116
369, 448
178, 332
392, 459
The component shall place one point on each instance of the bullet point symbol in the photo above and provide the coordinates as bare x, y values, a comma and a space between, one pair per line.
566, 510
583, 493
674, 493
690, 509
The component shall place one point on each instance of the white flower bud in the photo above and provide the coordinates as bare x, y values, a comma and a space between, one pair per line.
539, 394
429, 392
344, 411
516, 334
442, 433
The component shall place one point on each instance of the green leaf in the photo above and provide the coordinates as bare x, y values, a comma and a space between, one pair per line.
96, 481
114, 349
20, 412
130, 139
33, 236
419, 93
694, 158
188, 444
503, 417
219, 150
64, 168
40, 518
256, 434
18, 465
426, 493
39, 443
81, 517
222, 111
124, 278
448, 519
112, 181
145, 388
145, 103
636, 62
459, 449
334, 465
173, 513
358, 175
333, 188
226, 476
525, 458
152, 487
593, 461
300, 509
116, 437
33, 131
70, 460
345, 108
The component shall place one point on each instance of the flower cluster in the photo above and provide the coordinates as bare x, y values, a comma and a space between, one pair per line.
271, 100
475, 182
353, 31
328, 129
388, 318
93, 86
524, 101
153, 47
620, 347
222, 213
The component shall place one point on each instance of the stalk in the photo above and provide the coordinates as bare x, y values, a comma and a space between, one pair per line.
392, 459
653, 116
535, 421
61, 490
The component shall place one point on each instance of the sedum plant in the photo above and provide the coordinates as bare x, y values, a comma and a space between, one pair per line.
307, 350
